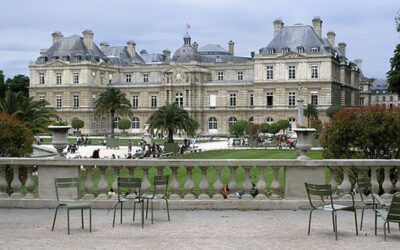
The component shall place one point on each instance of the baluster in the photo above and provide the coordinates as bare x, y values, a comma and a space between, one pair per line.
275, 185
261, 185
333, 182
232, 183
218, 185
88, 184
189, 185
131, 170
345, 186
114, 185
102, 186
203, 185
3, 182
374, 181
16, 183
145, 182
174, 185
30, 183
387, 184
247, 185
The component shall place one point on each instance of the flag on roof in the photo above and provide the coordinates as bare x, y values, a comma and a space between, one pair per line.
187, 26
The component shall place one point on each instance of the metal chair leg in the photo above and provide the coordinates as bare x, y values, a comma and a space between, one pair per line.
121, 211
55, 216
83, 226
355, 219
384, 229
333, 221
376, 215
166, 201
151, 211
68, 219
309, 221
90, 220
115, 211
142, 214
336, 226
147, 207
362, 217
388, 225
134, 210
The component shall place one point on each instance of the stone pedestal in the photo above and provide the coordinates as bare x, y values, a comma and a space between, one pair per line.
295, 177
47, 174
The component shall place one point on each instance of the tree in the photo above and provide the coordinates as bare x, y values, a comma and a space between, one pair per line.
253, 130
3, 87
239, 128
169, 119
77, 123
393, 75
112, 101
310, 112
317, 124
274, 128
124, 124
264, 128
370, 132
284, 124
19, 83
36, 115
332, 110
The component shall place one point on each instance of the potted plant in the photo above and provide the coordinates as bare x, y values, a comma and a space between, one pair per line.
59, 131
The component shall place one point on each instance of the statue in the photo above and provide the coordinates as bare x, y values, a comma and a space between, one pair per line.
300, 104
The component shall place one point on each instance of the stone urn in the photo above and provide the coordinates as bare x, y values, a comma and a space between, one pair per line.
304, 141
60, 138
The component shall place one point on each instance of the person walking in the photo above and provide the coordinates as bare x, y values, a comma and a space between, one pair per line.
129, 146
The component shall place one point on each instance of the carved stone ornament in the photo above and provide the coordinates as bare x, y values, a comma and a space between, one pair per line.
179, 76
291, 55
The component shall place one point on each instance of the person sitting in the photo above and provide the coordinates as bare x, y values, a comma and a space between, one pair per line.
96, 154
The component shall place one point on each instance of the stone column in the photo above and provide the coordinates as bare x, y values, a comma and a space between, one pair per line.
387, 184
275, 185
397, 183
333, 182
102, 185
232, 183
30, 183
218, 185
47, 174
189, 185
374, 181
3, 182
174, 185
203, 185
145, 182
88, 184
247, 186
296, 176
345, 186
261, 185
114, 185
16, 183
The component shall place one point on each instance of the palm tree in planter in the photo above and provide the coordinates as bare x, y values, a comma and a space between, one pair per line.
169, 119
112, 101
311, 113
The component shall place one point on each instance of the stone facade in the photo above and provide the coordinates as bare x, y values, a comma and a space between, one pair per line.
215, 86
380, 95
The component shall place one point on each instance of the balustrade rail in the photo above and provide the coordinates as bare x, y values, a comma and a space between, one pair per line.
196, 179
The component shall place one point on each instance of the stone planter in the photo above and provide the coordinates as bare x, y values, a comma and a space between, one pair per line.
304, 141
60, 138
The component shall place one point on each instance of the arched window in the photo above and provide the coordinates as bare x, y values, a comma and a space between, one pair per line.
103, 123
232, 120
135, 123
94, 124
212, 123
251, 120
179, 99
269, 120
115, 122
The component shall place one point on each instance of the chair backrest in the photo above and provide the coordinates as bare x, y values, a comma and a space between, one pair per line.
394, 210
132, 184
160, 184
319, 190
64, 183
364, 187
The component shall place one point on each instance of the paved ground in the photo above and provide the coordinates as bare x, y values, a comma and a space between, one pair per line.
31, 229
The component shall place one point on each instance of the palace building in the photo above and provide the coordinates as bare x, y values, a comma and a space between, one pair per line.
214, 85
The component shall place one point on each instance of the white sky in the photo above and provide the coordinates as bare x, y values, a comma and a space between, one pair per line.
367, 26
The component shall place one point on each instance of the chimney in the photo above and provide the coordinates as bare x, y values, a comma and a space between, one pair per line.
167, 54
231, 46
317, 25
131, 48
57, 35
252, 54
104, 45
331, 38
359, 63
278, 25
195, 46
342, 47
88, 38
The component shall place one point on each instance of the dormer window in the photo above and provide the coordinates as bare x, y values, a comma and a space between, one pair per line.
56, 57
78, 58
285, 50
271, 51
65, 58
315, 49
300, 49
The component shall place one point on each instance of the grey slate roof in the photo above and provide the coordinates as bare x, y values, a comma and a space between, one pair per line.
213, 49
119, 55
215, 53
151, 58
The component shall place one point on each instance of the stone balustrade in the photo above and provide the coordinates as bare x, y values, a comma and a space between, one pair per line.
194, 183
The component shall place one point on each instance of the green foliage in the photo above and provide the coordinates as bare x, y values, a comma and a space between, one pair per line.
124, 124
36, 115
310, 112
332, 110
239, 128
317, 124
393, 75
253, 130
274, 128
370, 132
16, 139
19, 83
59, 122
284, 124
264, 128
169, 119
112, 101
77, 123
3, 87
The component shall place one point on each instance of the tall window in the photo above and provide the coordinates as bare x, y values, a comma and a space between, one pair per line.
76, 101
269, 120
220, 76
75, 78
292, 122
128, 78
94, 124
232, 120
251, 100
42, 98
179, 99
135, 123
251, 120
145, 77
292, 72
212, 123
213, 101
240, 76
270, 72
270, 99
232, 100
361, 101
383, 98
135, 101
292, 99
153, 101
58, 101
391, 98
314, 71
314, 98
115, 122
58, 78
187, 98
41, 78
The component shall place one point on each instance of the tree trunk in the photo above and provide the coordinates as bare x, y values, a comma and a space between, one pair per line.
170, 136
112, 124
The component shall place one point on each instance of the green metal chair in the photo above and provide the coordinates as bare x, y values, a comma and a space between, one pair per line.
364, 187
160, 184
326, 191
71, 183
390, 215
129, 189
